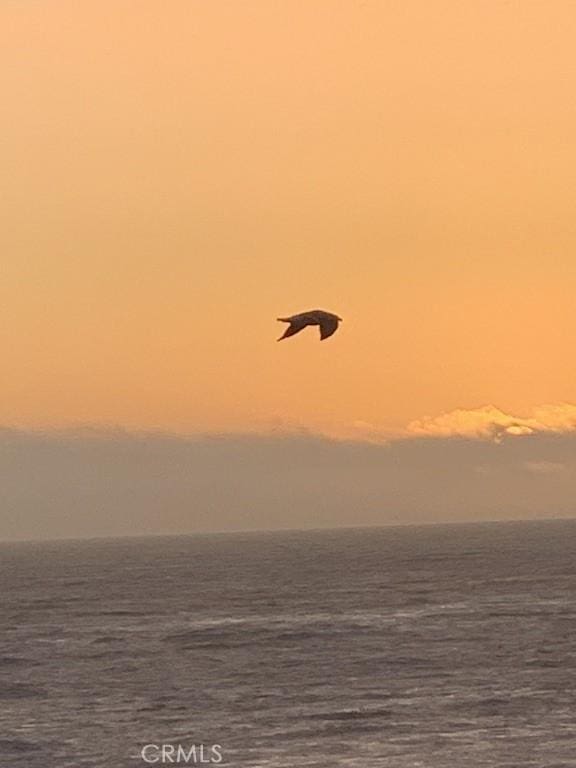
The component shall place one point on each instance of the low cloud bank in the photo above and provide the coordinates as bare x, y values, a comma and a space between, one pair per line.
92, 483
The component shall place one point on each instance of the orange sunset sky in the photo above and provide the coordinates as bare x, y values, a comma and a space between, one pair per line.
176, 175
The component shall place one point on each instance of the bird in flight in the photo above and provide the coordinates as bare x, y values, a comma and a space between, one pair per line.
326, 320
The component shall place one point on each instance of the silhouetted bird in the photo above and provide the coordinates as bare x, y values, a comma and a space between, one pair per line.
326, 320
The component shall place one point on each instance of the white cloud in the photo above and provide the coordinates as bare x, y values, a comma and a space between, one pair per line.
489, 422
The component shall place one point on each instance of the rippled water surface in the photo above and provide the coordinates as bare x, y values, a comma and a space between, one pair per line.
439, 647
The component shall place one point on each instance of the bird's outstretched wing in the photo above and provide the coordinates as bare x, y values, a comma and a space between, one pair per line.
296, 325
328, 326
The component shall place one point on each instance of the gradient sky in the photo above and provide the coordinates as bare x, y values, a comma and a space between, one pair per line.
177, 175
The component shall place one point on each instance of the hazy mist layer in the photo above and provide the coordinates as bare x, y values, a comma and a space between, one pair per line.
113, 483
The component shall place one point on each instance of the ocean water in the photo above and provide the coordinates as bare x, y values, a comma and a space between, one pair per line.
448, 646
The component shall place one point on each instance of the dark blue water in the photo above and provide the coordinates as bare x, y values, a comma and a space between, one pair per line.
440, 647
